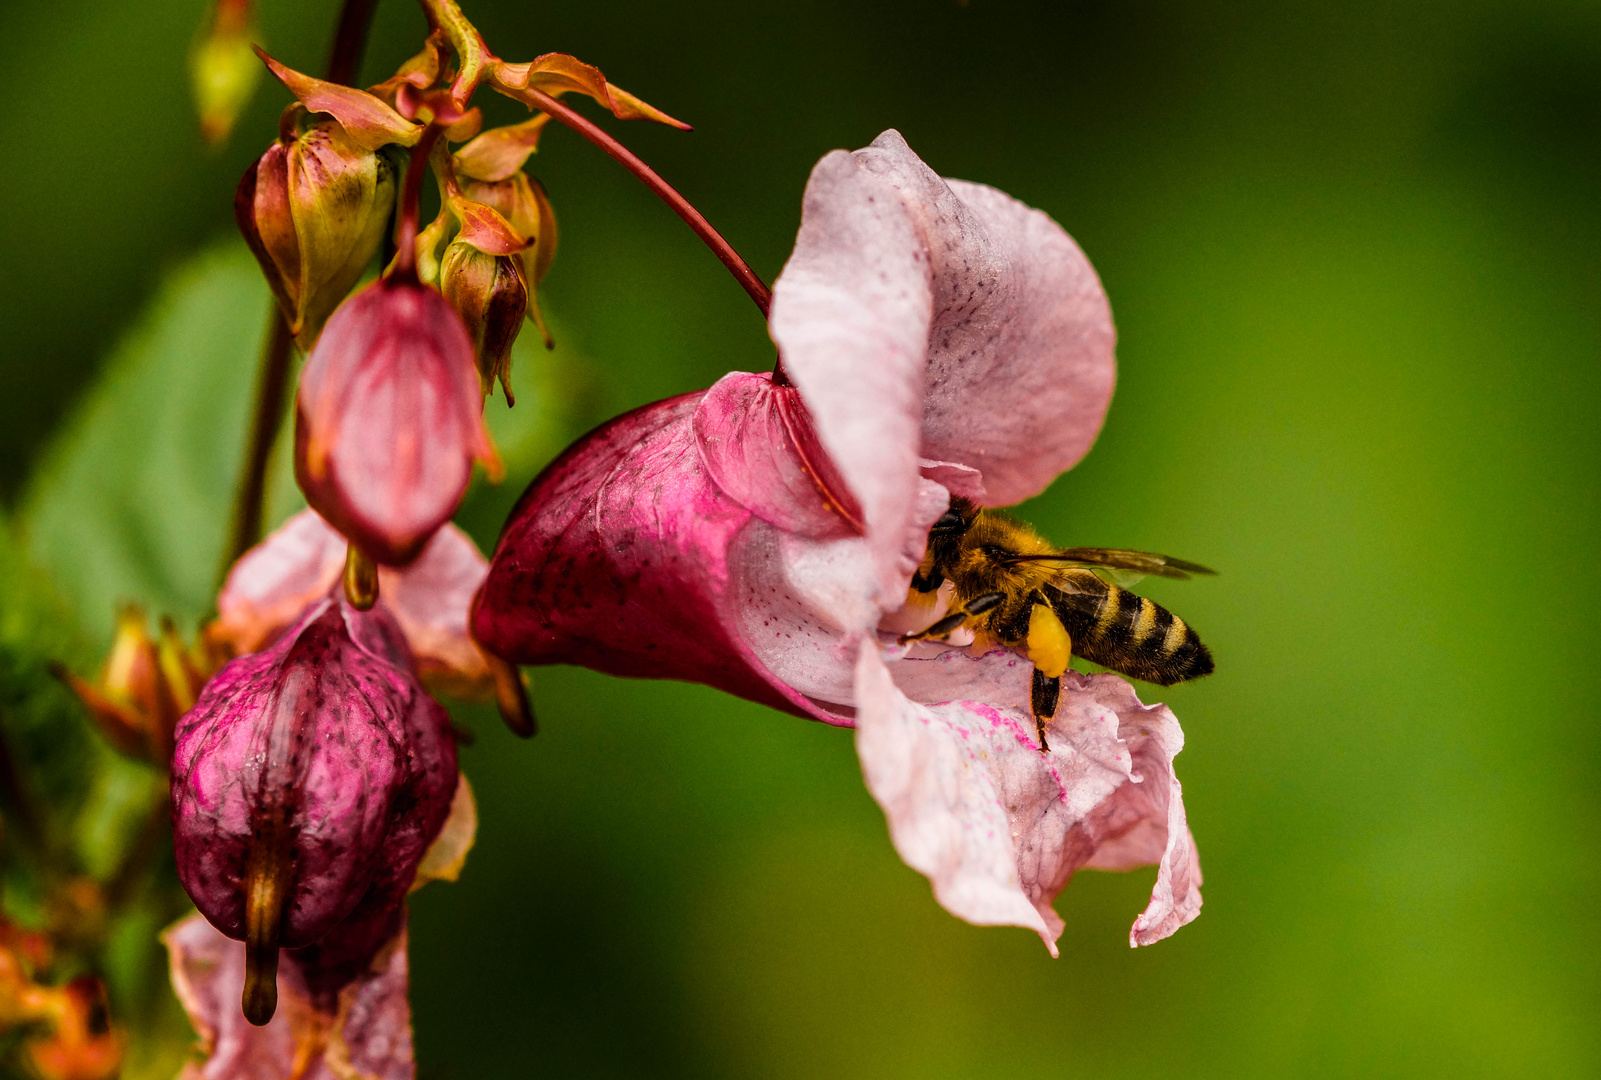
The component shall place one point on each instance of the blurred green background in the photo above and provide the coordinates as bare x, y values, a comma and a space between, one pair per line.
1351, 248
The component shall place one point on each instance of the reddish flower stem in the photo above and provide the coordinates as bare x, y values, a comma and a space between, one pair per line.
405, 265
350, 39
625, 157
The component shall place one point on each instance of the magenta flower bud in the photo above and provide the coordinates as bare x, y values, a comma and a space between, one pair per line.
307, 783
389, 419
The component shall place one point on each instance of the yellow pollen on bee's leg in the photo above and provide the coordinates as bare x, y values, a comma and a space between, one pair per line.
1049, 646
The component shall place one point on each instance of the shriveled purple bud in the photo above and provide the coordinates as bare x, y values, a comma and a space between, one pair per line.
308, 781
389, 419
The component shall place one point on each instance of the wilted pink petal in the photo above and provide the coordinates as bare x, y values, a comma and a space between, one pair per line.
366, 1032
920, 316
325, 745
389, 419
272, 583
997, 826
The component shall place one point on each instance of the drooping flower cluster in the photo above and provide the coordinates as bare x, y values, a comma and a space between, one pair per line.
941, 339
314, 779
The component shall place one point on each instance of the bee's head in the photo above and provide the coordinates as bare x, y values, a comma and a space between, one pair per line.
955, 521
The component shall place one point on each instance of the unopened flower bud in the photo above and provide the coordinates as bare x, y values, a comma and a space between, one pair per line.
490, 292
223, 69
313, 210
144, 687
308, 782
522, 201
389, 419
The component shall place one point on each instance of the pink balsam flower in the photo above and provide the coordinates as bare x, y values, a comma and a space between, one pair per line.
389, 419
942, 339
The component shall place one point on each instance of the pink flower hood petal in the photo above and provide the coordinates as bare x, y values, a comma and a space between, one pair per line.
998, 827
369, 1031
627, 556
617, 558
925, 318
272, 583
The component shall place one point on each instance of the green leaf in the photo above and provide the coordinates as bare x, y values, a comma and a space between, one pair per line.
132, 500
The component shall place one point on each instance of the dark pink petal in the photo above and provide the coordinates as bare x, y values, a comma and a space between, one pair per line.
941, 319
389, 419
998, 827
756, 441
627, 556
617, 558
272, 583
330, 729
368, 1030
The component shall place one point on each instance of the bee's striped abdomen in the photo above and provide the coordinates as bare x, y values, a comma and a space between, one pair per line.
1130, 634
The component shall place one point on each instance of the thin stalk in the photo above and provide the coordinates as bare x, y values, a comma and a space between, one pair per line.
271, 384
350, 40
625, 157
405, 265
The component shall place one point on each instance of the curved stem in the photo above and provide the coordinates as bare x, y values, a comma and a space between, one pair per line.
625, 157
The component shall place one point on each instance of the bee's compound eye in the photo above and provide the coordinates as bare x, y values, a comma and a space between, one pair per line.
949, 521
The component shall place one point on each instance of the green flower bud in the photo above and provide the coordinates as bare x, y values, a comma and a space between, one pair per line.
314, 209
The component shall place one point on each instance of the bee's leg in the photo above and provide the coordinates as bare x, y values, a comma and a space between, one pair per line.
1050, 648
976, 606
927, 584
1047, 690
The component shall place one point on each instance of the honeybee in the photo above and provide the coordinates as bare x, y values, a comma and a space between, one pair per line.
1014, 588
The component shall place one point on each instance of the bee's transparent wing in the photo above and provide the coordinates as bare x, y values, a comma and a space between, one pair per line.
1115, 563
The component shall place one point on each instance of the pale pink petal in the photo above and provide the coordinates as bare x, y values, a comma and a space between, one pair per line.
430, 600
997, 826
272, 583
941, 319
208, 975
850, 315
